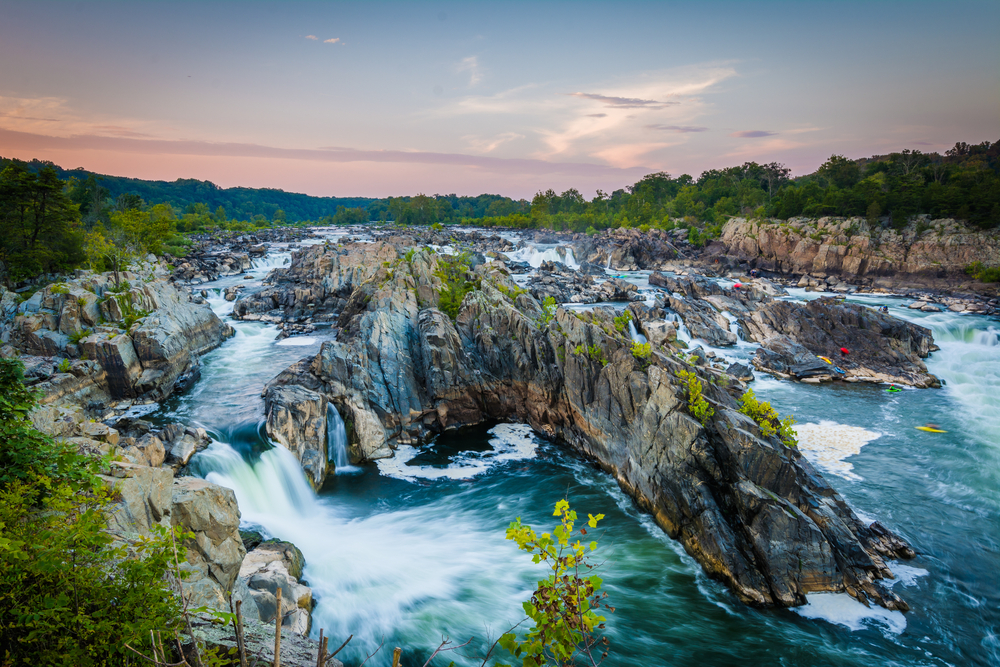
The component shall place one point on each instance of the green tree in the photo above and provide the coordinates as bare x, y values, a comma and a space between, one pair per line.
840, 171
564, 607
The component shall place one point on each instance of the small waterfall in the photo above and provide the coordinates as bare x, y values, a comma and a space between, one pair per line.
607, 267
571, 260
336, 441
634, 333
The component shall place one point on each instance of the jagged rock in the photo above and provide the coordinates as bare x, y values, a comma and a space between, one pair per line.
741, 372
143, 498
660, 333
753, 512
781, 355
880, 346
216, 552
296, 419
274, 565
703, 321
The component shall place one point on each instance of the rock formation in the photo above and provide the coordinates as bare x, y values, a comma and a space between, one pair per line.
752, 511
926, 252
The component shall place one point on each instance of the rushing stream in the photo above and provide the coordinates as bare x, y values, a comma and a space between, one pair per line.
412, 550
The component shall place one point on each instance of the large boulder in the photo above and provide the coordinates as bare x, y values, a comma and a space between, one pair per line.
297, 420
215, 554
274, 565
752, 511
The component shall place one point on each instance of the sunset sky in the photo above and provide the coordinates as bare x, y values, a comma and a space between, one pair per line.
394, 98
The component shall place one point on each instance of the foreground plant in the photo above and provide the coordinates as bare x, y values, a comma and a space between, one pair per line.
564, 607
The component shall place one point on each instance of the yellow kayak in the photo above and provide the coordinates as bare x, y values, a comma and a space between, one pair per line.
930, 430
826, 360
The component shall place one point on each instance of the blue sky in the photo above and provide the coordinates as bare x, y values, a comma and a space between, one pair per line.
390, 98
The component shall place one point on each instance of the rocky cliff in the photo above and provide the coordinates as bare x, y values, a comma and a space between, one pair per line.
752, 511
931, 253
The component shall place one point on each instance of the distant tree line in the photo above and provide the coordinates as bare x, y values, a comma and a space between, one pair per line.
55, 220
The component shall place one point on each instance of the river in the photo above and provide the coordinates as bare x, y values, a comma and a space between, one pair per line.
408, 552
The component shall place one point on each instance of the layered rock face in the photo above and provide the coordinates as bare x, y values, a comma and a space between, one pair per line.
927, 252
753, 512
137, 341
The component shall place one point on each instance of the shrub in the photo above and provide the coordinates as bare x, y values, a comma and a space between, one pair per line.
68, 595
597, 354
622, 321
982, 273
64, 366
642, 351
454, 274
767, 419
697, 405
60, 288
77, 336
548, 311
564, 606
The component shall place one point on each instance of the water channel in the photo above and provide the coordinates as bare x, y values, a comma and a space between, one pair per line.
410, 550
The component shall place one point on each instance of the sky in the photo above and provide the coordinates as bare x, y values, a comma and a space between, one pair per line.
383, 99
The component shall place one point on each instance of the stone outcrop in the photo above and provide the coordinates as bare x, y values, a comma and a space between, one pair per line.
753, 512
627, 249
118, 344
881, 348
296, 419
273, 565
926, 252
216, 553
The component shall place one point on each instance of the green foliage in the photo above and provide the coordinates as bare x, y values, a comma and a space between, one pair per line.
64, 366
408, 257
622, 322
767, 419
511, 293
60, 288
597, 354
697, 405
564, 608
983, 273
68, 594
454, 274
578, 350
642, 351
130, 313
549, 306
77, 336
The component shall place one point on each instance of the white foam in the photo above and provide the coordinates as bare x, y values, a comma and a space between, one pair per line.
842, 609
298, 341
510, 442
905, 574
828, 443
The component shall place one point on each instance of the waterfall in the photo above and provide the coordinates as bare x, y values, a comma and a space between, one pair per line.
607, 267
571, 260
336, 441
636, 336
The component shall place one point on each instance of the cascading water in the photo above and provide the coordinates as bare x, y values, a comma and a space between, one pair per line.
336, 441
636, 336
418, 550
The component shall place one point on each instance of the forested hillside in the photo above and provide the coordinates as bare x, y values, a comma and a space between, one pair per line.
56, 220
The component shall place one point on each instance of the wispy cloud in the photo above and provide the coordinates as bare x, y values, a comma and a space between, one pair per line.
597, 115
471, 65
624, 102
312, 37
681, 129
752, 134
55, 116
488, 145
332, 40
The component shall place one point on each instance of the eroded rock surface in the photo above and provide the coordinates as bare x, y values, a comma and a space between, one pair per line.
753, 512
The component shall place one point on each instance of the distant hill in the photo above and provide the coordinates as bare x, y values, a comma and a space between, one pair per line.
240, 203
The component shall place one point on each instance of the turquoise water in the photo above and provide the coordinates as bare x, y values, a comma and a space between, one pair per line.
409, 554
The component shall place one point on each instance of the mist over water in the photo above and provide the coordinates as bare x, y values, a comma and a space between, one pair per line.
412, 549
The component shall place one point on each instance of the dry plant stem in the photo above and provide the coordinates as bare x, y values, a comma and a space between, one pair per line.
187, 616
238, 626
381, 644
396, 652
496, 641
277, 631
441, 649
330, 657
321, 652
157, 662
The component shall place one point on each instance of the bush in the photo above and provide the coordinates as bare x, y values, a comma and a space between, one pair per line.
982, 273
622, 321
767, 419
697, 405
60, 288
68, 595
548, 311
454, 274
597, 354
564, 606
642, 351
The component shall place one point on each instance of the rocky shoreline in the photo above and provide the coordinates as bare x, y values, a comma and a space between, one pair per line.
752, 511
